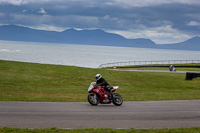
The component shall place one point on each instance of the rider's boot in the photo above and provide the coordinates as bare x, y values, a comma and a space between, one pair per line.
110, 95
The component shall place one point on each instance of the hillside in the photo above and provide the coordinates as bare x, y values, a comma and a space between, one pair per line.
190, 44
71, 36
88, 37
56, 83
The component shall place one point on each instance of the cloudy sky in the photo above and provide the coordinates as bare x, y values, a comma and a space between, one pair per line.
163, 21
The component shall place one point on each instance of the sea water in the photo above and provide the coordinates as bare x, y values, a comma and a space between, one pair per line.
90, 56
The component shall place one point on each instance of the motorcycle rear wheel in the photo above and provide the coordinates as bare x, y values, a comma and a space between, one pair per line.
117, 99
93, 100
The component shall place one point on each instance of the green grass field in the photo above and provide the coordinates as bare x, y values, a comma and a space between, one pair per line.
55, 130
56, 83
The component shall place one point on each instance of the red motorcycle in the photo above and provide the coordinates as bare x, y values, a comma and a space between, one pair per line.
100, 95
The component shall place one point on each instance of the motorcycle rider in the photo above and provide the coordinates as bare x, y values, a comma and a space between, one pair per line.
100, 81
171, 68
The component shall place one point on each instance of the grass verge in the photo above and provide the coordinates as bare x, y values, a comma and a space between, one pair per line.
55, 130
56, 83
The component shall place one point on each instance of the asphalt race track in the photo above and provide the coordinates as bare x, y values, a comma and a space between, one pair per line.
150, 114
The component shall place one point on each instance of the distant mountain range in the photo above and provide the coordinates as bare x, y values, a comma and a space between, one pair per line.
89, 37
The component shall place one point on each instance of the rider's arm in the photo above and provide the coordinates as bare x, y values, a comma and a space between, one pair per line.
103, 83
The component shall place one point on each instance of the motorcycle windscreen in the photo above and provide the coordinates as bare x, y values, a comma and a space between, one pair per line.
91, 86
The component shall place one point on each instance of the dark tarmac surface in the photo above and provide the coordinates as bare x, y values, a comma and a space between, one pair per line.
167, 71
69, 115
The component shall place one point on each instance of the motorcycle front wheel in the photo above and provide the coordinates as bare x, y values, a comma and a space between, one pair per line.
117, 99
93, 99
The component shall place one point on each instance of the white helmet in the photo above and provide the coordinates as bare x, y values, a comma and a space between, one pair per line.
98, 76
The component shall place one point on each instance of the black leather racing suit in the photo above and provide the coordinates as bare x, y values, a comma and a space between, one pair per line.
103, 82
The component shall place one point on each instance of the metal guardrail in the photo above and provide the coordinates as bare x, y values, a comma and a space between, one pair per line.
133, 63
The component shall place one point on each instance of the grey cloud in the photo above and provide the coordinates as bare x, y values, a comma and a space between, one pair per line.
112, 15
